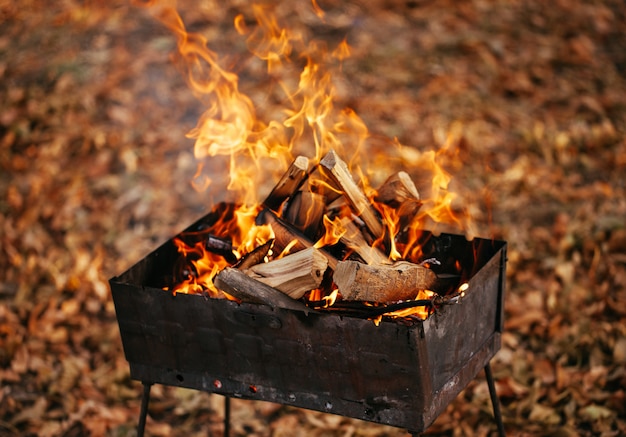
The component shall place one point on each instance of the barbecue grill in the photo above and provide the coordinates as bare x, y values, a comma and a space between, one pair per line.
401, 372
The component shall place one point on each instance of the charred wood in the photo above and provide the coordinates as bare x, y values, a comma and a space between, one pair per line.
255, 257
288, 183
305, 211
286, 235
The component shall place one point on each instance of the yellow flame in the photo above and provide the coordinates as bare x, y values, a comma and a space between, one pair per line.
259, 150
334, 231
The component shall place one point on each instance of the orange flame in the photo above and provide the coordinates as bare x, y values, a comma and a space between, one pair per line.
259, 151
334, 231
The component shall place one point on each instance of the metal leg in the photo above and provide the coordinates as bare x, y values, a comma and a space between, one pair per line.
226, 416
494, 400
145, 398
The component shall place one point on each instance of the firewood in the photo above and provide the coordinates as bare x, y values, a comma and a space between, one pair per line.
287, 235
294, 274
354, 239
256, 256
284, 233
382, 283
319, 183
220, 246
397, 189
288, 183
338, 171
399, 192
305, 212
241, 286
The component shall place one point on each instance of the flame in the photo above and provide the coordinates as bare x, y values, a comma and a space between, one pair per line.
205, 264
334, 231
237, 224
421, 312
258, 151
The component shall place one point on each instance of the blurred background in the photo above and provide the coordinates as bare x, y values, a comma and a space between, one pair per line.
95, 172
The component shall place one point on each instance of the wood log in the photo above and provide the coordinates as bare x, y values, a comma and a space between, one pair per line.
287, 235
382, 283
256, 256
397, 189
399, 192
241, 286
319, 183
220, 246
338, 171
294, 274
284, 233
288, 183
354, 240
305, 211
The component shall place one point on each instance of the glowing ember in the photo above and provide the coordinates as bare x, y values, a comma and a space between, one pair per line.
260, 150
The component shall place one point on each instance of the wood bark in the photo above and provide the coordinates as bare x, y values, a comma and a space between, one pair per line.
382, 283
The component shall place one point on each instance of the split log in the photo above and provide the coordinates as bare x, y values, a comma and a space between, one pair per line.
399, 192
287, 235
305, 211
255, 257
288, 183
338, 171
397, 189
295, 274
243, 287
354, 239
319, 183
382, 283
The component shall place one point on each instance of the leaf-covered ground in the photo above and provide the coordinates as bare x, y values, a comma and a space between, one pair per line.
95, 172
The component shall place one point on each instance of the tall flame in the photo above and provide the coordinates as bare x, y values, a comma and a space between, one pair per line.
310, 124
229, 125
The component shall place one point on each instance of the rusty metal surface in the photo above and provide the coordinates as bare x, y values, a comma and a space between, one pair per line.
398, 374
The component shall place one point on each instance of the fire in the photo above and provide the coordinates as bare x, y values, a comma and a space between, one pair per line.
334, 231
259, 150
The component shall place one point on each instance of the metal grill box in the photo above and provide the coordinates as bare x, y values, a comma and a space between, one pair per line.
399, 373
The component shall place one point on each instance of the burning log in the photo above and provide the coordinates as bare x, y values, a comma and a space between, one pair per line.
320, 184
339, 173
255, 257
293, 274
220, 246
239, 285
286, 235
354, 239
305, 212
399, 192
288, 183
382, 283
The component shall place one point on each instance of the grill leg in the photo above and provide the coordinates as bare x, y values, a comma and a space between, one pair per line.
226, 416
145, 399
494, 400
